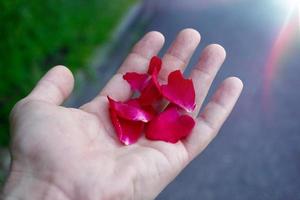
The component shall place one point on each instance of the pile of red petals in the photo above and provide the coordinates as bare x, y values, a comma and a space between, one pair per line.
133, 117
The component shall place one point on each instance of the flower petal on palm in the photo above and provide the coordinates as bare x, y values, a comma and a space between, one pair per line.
137, 81
154, 65
170, 126
150, 94
180, 91
127, 131
130, 110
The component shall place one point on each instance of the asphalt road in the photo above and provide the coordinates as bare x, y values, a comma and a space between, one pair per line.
257, 153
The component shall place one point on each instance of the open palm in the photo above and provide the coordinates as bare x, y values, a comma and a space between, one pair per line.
69, 153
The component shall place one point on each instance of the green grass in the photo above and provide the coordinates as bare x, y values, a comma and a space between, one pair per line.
36, 35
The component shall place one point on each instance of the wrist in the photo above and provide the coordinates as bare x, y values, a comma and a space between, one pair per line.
21, 186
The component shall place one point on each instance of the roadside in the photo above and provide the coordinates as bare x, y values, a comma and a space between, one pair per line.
4, 164
86, 86
107, 59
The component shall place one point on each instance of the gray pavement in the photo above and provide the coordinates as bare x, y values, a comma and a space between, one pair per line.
257, 153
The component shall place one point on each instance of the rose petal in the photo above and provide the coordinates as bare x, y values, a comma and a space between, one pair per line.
147, 108
127, 131
155, 65
130, 111
150, 94
170, 126
180, 91
137, 81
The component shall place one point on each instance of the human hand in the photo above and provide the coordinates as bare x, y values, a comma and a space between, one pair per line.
67, 153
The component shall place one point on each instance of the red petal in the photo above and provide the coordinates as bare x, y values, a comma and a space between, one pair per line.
147, 108
137, 81
130, 111
155, 65
170, 126
150, 94
128, 132
180, 91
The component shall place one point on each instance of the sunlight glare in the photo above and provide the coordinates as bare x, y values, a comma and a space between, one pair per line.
291, 4
299, 13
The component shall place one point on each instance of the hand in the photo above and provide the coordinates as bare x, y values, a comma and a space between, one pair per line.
68, 153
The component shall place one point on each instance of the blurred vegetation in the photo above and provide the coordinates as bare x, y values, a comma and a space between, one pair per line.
36, 35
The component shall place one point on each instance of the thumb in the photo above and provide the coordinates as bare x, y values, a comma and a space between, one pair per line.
54, 87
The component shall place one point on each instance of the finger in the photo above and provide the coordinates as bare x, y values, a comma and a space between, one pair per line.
177, 57
205, 71
137, 61
180, 52
54, 87
213, 116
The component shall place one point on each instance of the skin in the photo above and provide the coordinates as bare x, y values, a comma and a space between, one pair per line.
66, 153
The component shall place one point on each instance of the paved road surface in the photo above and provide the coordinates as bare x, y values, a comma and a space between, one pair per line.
257, 154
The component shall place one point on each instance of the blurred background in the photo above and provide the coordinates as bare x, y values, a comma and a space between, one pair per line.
257, 153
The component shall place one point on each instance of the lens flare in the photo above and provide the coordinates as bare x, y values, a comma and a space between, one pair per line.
299, 14
285, 37
290, 3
